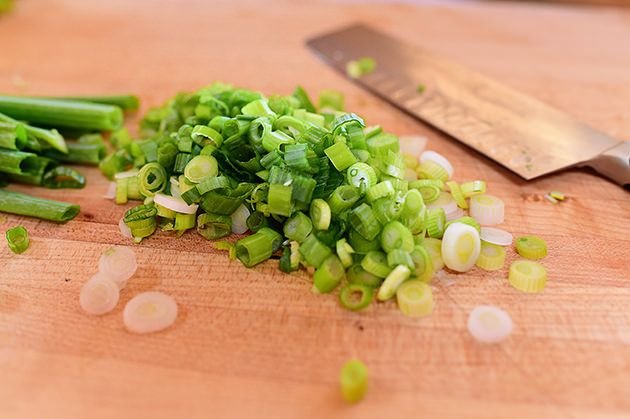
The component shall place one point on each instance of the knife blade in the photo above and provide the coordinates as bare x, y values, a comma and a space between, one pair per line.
519, 132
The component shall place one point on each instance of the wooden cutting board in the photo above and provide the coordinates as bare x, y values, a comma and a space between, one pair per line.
258, 343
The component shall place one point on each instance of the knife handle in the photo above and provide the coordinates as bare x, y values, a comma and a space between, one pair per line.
614, 163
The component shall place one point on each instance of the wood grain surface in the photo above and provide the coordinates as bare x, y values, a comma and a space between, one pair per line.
258, 343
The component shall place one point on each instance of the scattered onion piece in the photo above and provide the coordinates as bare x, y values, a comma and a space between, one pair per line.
459, 213
487, 209
99, 295
119, 264
489, 324
175, 204
460, 247
496, 236
438, 159
150, 311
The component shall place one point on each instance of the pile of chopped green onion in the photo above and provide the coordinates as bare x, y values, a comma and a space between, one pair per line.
313, 185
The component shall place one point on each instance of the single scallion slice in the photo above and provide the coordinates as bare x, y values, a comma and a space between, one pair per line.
460, 247
328, 275
531, 247
396, 236
415, 298
344, 252
314, 251
239, 220
436, 222
357, 275
491, 257
361, 175
119, 264
153, 179
353, 380
149, 312
355, 297
395, 278
99, 295
214, 226
320, 214
363, 220
17, 239
495, 236
489, 324
375, 262
465, 220
200, 168
440, 160
423, 265
527, 276
487, 209
475, 187
258, 247
457, 194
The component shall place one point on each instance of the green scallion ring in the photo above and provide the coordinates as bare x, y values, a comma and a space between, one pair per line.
355, 297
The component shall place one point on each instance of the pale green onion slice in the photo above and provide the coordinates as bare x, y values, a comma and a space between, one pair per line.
487, 209
474, 187
119, 264
392, 282
434, 248
353, 380
527, 276
239, 220
489, 324
439, 159
361, 175
496, 236
344, 252
200, 168
99, 295
175, 189
531, 247
460, 247
415, 298
320, 214
175, 204
444, 201
491, 257
150, 311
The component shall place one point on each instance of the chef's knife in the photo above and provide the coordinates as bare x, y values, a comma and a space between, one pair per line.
519, 132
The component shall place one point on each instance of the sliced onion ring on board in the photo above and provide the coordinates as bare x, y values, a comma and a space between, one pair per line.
496, 236
489, 324
119, 264
150, 311
99, 295
438, 159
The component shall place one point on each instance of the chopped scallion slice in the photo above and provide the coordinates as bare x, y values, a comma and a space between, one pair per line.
320, 214
491, 257
527, 276
415, 298
460, 247
355, 297
487, 209
395, 278
489, 324
353, 380
17, 239
531, 247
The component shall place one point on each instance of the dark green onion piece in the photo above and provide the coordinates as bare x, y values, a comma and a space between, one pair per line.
17, 239
258, 247
152, 179
22, 204
256, 221
362, 245
304, 101
214, 226
355, 296
396, 236
63, 177
18, 162
50, 137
